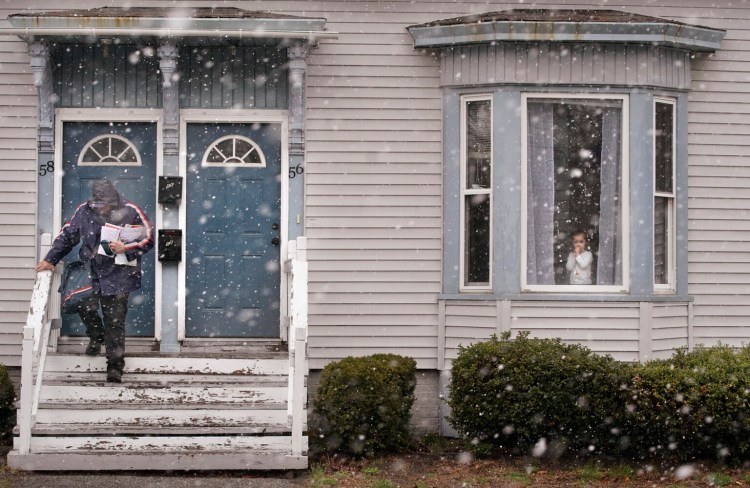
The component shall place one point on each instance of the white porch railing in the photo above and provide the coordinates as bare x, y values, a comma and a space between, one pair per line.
43, 309
296, 269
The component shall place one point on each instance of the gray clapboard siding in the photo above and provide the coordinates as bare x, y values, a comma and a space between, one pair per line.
670, 328
606, 328
354, 89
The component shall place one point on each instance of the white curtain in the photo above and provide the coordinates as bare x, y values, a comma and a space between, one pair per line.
540, 196
609, 267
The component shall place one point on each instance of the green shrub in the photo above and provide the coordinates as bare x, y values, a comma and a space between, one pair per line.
515, 393
693, 405
7, 409
363, 404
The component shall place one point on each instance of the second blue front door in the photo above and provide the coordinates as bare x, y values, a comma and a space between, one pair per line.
233, 210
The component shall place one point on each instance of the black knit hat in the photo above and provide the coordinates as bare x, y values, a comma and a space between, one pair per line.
103, 193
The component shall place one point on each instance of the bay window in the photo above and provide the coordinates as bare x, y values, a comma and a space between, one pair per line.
564, 153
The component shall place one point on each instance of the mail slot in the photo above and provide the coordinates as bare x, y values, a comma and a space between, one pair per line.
170, 245
170, 189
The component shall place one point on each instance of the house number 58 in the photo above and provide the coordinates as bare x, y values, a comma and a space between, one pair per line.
48, 167
297, 170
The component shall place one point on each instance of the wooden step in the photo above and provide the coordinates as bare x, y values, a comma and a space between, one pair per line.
140, 345
98, 378
175, 395
161, 443
171, 365
73, 430
95, 460
263, 420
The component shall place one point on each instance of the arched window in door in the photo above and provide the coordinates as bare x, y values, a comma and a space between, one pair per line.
109, 150
234, 150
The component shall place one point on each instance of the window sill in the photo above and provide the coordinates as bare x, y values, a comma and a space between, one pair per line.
565, 297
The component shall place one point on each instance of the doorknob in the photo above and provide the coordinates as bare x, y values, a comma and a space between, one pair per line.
275, 241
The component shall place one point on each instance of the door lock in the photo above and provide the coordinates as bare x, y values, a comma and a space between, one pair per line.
275, 226
275, 241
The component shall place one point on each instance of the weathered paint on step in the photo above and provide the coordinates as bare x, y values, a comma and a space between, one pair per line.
155, 395
168, 365
159, 461
160, 443
263, 420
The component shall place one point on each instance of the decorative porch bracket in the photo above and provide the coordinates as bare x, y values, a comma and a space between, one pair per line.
297, 67
168, 54
41, 67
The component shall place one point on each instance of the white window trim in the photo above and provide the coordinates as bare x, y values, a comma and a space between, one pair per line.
625, 192
463, 286
218, 141
96, 139
668, 287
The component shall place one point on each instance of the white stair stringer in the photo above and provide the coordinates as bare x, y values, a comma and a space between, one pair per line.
170, 413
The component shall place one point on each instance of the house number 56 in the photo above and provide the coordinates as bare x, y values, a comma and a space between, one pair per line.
48, 167
297, 170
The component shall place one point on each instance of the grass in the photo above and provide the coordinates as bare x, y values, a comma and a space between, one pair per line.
518, 477
383, 484
621, 471
590, 473
718, 479
319, 479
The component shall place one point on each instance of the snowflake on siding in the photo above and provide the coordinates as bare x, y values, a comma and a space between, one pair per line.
109, 150
234, 151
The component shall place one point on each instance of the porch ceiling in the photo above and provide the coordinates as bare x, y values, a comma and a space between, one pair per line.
205, 24
565, 25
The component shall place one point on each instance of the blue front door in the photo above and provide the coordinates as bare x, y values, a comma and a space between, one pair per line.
124, 153
233, 230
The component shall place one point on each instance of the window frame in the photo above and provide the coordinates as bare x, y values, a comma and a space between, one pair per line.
464, 100
669, 287
624, 287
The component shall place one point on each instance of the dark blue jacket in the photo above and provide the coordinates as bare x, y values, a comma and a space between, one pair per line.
85, 226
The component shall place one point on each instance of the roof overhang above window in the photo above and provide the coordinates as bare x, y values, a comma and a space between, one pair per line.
206, 24
579, 26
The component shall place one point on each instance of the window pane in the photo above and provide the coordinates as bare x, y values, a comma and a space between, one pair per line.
477, 240
663, 147
478, 144
661, 240
574, 168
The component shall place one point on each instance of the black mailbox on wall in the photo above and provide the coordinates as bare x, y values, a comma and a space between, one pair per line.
170, 189
170, 245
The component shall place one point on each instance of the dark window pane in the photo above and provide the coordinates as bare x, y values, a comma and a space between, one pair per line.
214, 156
663, 146
478, 144
477, 240
661, 241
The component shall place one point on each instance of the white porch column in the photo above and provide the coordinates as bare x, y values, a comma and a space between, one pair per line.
297, 54
168, 53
